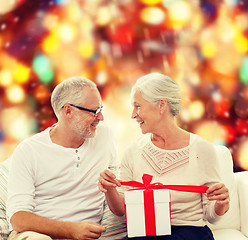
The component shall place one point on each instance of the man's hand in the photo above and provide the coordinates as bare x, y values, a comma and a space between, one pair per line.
87, 230
107, 180
220, 193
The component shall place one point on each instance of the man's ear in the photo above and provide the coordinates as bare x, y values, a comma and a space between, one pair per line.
67, 110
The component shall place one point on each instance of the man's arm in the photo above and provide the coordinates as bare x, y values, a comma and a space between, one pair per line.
27, 221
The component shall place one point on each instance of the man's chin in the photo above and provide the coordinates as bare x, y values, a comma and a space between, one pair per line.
90, 134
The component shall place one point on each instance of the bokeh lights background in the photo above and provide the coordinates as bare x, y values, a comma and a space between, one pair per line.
202, 44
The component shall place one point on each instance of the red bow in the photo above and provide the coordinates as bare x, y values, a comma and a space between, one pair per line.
147, 185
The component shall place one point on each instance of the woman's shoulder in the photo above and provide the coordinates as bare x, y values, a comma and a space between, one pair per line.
200, 142
203, 148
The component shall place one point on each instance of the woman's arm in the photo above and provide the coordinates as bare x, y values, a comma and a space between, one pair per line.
107, 184
220, 194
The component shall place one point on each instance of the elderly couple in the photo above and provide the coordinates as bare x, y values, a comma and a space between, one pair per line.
60, 177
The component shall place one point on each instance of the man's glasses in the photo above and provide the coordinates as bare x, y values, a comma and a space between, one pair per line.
96, 112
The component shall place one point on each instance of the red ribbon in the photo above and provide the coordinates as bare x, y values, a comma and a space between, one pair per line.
147, 185
149, 209
150, 223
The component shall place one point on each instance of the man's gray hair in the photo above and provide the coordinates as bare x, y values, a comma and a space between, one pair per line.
155, 87
70, 91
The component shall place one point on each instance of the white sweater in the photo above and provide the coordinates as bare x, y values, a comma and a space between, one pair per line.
195, 164
60, 183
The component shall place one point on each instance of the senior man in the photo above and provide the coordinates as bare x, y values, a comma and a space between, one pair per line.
53, 190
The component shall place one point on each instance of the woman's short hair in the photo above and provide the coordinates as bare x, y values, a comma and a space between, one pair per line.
155, 87
70, 91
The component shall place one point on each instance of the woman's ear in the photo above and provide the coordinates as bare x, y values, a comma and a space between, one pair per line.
162, 105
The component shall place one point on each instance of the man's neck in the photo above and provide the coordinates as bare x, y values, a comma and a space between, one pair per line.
62, 138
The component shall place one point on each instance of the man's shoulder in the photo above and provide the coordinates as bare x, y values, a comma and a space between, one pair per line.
35, 138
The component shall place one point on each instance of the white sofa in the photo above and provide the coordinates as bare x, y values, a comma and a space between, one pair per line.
232, 226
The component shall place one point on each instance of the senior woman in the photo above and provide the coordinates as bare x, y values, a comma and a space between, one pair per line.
173, 156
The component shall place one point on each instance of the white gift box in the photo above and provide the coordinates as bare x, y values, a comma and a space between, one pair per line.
148, 215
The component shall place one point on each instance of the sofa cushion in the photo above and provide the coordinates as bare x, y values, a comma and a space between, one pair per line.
232, 218
116, 226
4, 227
228, 234
242, 181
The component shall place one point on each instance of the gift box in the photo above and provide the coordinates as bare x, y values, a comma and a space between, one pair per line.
148, 212
148, 206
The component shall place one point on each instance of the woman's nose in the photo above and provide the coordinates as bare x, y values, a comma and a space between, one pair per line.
134, 114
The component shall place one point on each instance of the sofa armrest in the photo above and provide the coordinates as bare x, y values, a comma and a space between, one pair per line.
242, 184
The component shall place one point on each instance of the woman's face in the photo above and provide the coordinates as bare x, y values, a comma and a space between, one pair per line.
145, 113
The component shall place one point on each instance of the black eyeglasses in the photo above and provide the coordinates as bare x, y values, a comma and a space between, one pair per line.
96, 112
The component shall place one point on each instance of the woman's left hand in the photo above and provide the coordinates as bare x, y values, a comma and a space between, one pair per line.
220, 193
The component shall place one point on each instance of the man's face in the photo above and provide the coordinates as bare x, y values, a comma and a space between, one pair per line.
84, 123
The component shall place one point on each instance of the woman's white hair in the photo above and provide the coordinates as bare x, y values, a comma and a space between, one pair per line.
155, 87
70, 91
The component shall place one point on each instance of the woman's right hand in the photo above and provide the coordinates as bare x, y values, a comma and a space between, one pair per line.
107, 181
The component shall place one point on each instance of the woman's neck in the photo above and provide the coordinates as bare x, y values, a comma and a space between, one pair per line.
171, 139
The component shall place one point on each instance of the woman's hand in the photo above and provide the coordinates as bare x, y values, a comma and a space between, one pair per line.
107, 181
220, 193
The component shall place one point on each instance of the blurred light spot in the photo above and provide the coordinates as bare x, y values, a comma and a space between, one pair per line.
3, 26
222, 107
185, 115
211, 131
71, 63
86, 24
42, 94
101, 78
50, 43
67, 32
241, 126
241, 108
194, 79
230, 135
7, 5
179, 14
245, 93
15, 94
62, 2
74, 12
21, 74
42, 68
17, 123
103, 16
216, 96
226, 30
209, 49
50, 21
243, 74
241, 43
5, 78
231, 2
243, 154
221, 61
151, 2
196, 110
152, 15
241, 21
86, 49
